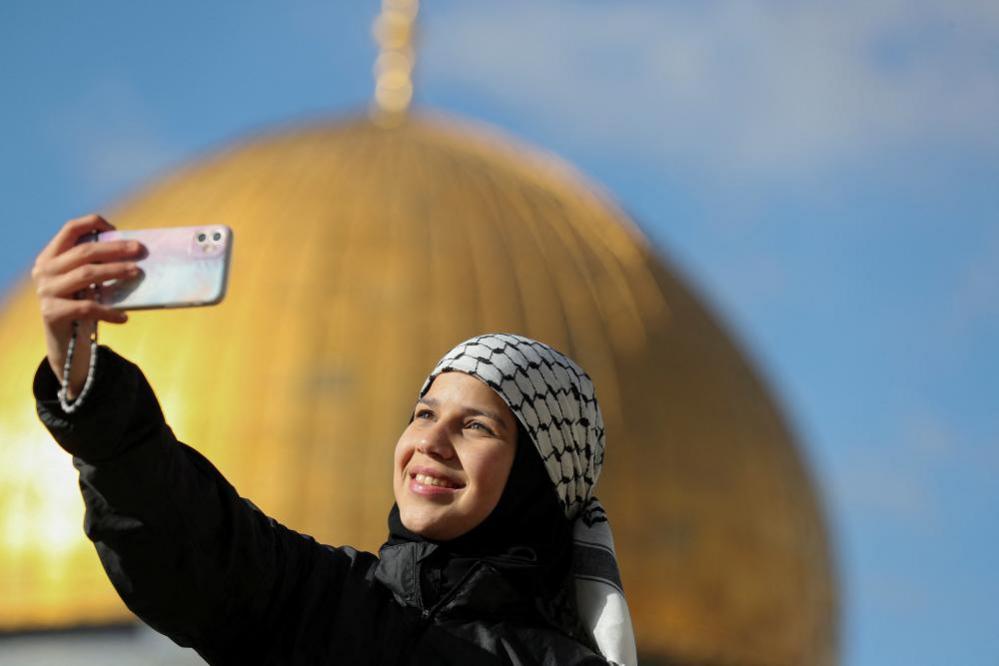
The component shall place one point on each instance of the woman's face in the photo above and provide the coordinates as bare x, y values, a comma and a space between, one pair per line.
453, 460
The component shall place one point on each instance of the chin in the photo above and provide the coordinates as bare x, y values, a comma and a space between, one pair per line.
426, 526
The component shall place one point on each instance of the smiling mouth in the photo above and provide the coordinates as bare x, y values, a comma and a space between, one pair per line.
426, 480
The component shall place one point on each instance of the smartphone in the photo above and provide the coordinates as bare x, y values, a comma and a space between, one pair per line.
180, 267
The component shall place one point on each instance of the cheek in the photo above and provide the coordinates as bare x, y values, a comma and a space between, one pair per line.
492, 472
403, 453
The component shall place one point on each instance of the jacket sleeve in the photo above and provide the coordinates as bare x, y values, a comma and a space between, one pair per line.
186, 553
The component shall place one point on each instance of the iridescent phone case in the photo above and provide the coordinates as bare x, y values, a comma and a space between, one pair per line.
180, 267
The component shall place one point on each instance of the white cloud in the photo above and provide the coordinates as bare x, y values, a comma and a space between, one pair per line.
895, 480
730, 87
915, 476
110, 137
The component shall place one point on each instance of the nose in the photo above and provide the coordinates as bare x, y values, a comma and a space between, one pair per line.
435, 442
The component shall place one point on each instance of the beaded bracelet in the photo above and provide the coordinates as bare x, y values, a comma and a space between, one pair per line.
70, 407
67, 406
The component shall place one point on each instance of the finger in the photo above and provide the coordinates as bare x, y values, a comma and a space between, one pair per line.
70, 233
60, 311
65, 285
89, 253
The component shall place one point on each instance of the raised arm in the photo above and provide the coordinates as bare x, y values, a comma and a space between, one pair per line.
186, 553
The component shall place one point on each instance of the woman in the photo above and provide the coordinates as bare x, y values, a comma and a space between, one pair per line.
497, 552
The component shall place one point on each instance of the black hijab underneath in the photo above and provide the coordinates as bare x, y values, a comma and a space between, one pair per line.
527, 535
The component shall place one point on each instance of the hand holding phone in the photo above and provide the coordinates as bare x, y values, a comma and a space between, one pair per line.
62, 272
170, 271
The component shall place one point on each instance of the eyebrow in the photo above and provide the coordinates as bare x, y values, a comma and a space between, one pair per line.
433, 402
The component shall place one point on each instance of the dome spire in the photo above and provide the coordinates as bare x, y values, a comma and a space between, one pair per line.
393, 31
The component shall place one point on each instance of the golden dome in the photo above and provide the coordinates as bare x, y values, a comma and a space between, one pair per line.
361, 255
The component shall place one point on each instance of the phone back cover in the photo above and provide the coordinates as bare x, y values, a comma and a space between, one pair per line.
178, 271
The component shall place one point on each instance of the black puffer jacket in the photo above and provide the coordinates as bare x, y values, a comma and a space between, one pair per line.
206, 567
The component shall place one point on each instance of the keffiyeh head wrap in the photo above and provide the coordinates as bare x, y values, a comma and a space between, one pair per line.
554, 400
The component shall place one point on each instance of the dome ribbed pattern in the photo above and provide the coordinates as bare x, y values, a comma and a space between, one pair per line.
361, 255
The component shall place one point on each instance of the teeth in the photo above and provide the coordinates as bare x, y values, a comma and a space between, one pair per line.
431, 481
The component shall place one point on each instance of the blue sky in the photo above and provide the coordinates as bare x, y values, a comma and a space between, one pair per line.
827, 174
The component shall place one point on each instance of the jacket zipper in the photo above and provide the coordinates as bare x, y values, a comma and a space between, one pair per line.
429, 613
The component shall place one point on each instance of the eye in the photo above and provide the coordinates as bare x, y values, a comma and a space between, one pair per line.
477, 425
423, 414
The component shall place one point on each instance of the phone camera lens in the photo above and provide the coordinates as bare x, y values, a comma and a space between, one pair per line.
217, 236
202, 237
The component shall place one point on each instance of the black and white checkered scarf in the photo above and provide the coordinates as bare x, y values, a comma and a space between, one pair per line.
554, 400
